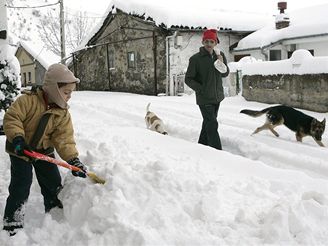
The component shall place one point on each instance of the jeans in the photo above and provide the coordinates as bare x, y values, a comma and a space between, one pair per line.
49, 179
209, 134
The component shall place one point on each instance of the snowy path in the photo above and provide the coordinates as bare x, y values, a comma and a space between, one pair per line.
183, 120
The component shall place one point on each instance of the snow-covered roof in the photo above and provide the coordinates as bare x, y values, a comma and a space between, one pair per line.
208, 16
40, 53
311, 21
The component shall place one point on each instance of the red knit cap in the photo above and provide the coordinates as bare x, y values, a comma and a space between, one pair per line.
210, 34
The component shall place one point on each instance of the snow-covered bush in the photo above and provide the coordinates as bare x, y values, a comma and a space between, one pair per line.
9, 78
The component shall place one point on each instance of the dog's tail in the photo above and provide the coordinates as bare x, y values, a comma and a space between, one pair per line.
147, 108
254, 113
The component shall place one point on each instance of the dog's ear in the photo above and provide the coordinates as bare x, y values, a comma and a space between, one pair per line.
324, 121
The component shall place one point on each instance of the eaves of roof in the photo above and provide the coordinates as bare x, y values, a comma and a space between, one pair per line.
280, 41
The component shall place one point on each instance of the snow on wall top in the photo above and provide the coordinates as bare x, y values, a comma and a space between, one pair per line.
301, 62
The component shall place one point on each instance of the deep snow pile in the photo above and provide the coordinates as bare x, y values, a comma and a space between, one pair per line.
168, 190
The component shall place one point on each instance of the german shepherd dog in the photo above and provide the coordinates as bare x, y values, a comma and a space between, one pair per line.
300, 123
153, 122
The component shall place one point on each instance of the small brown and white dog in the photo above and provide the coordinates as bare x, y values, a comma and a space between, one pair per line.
153, 122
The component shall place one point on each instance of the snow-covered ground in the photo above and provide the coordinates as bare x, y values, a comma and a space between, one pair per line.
169, 190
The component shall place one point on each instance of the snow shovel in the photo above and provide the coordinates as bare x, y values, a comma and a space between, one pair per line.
42, 157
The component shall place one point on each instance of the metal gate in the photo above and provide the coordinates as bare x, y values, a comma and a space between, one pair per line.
178, 83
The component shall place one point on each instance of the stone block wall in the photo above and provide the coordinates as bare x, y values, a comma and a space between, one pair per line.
308, 91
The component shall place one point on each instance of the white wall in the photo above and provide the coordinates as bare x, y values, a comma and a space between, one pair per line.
191, 42
320, 48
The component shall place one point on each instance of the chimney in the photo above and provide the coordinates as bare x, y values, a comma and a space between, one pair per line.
282, 19
282, 6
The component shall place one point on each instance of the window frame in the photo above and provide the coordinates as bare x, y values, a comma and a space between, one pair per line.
29, 77
131, 63
24, 79
111, 59
275, 55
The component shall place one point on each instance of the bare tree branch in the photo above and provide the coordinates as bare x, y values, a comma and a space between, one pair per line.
77, 26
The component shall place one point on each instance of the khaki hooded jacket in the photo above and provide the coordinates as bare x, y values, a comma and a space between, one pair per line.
22, 119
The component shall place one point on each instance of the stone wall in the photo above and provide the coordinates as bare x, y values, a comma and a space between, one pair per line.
308, 91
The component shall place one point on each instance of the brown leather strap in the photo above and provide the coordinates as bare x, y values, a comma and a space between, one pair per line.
36, 137
39, 130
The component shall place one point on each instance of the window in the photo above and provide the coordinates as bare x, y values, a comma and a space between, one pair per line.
238, 57
110, 59
275, 55
289, 54
29, 77
24, 79
131, 60
292, 47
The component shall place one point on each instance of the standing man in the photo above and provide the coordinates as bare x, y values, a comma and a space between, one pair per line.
204, 75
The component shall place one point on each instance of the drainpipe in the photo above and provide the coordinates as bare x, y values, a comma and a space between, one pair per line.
75, 70
168, 80
264, 53
108, 68
155, 62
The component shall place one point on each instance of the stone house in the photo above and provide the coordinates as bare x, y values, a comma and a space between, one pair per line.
126, 54
129, 52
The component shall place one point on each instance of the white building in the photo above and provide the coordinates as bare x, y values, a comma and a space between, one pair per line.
306, 29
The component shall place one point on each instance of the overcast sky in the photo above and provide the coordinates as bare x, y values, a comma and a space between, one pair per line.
266, 6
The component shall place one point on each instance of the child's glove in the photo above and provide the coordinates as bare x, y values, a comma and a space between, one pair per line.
77, 163
20, 146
